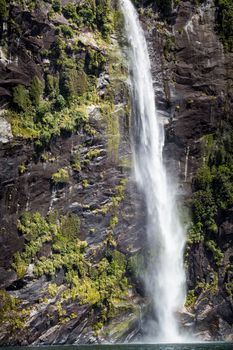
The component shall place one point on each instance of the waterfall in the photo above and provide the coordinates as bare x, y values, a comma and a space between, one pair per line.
165, 275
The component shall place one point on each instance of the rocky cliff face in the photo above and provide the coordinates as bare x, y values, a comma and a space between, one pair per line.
71, 220
72, 223
195, 86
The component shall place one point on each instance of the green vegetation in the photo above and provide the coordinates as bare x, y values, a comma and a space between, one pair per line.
46, 124
229, 288
11, 313
69, 83
87, 12
118, 77
195, 233
51, 85
113, 222
20, 265
3, 10
32, 226
75, 162
67, 31
35, 91
56, 6
217, 254
113, 132
204, 210
22, 168
85, 183
136, 266
114, 204
45, 108
201, 287
69, 11
165, 7
93, 153
104, 17
70, 225
225, 22
21, 98
94, 14
213, 190
58, 103
61, 231
169, 47
52, 289
61, 176
191, 298
103, 282
100, 284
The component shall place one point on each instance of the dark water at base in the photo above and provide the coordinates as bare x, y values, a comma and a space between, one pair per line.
193, 346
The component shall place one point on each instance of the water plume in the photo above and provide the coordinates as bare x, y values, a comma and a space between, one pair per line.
165, 276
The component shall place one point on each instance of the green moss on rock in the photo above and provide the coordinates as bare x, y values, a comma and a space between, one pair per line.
3, 10
225, 22
21, 98
217, 254
61, 176
11, 313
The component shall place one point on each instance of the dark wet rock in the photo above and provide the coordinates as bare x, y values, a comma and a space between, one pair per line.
193, 82
7, 277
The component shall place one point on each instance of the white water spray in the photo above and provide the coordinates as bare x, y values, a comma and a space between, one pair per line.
165, 278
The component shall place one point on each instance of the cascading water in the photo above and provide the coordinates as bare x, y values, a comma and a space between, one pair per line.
165, 277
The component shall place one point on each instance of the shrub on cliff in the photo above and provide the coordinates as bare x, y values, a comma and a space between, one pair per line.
204, 209
217, 254
21, 98
94, 62
223, 187
213, 183
3, 10
165, 7
32, 226
51, 86
225, 22
203, 178
59, 103
104, 18
87, 13
56, 6
67, 83
69, 11
35, 91
24, 98
67, 31
61, 176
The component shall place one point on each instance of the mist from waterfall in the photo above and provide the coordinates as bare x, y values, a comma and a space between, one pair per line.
165, 275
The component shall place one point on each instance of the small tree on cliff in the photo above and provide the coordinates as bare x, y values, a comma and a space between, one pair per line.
21, 98
165, 7
3, 10
35, 91
3, 15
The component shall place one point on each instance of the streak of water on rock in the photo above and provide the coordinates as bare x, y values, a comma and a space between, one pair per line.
165, 277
